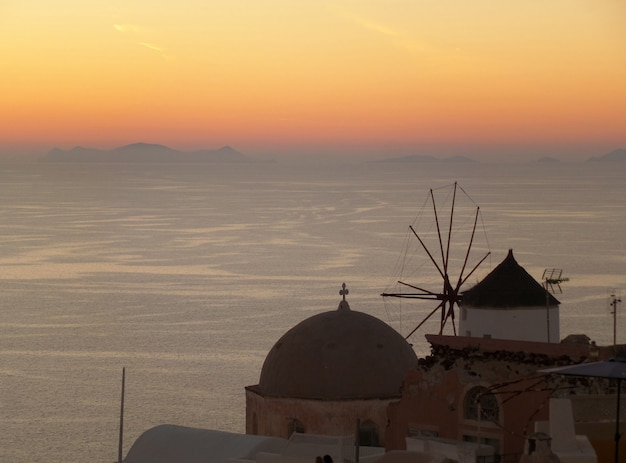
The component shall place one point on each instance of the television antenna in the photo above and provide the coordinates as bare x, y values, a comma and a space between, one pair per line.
552, 279
614, 300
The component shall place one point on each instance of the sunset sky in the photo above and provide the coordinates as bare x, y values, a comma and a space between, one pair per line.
295, 77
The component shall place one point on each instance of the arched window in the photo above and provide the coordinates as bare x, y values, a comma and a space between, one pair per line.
480, 405
368, 434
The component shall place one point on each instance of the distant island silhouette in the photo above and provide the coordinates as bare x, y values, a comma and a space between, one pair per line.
618, 155
144, 152
427, 159
548, 159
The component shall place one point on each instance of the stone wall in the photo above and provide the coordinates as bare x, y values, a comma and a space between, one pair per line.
435, 393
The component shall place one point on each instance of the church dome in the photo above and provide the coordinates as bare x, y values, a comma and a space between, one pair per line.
341, 354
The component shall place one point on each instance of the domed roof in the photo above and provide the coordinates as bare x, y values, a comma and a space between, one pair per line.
341, 354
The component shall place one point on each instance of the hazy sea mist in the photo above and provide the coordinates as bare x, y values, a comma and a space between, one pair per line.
187, 274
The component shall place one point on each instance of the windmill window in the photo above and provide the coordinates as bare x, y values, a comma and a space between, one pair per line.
481, 405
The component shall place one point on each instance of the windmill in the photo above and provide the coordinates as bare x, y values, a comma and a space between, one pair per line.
448, 246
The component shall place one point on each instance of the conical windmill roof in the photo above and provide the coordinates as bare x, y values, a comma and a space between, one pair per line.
508, 285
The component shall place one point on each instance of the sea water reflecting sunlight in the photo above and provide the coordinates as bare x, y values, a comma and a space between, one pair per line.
187, 275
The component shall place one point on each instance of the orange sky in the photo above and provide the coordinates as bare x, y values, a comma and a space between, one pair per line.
298, 76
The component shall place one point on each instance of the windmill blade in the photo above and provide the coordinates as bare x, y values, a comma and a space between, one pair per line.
447, 258
426, 297
424, 321
469, 248
423, 294
474, 269
418, 288
443, 259
449, 315
432, 259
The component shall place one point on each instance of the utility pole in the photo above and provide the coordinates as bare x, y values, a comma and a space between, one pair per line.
121, 442
614, 301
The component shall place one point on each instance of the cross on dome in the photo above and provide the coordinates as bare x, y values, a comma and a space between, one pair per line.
343, 291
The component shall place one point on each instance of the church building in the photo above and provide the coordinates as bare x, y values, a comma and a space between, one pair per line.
329, 374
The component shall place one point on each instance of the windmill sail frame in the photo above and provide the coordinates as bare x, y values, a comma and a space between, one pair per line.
450, 294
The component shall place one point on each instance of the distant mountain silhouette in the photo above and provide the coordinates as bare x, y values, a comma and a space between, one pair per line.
458, 159
143, 152
618, 155
424, 158
548, 160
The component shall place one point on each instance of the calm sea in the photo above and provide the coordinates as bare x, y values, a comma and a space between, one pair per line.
187, 275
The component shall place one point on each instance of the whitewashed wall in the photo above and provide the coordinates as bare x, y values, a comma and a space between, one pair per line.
519, 323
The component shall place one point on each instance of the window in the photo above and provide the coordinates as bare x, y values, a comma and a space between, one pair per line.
495, 443
416, 431
255, 424
481, 405
295, 425
368, 434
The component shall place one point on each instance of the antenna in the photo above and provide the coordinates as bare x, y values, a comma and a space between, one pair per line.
552, 279
614, 301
